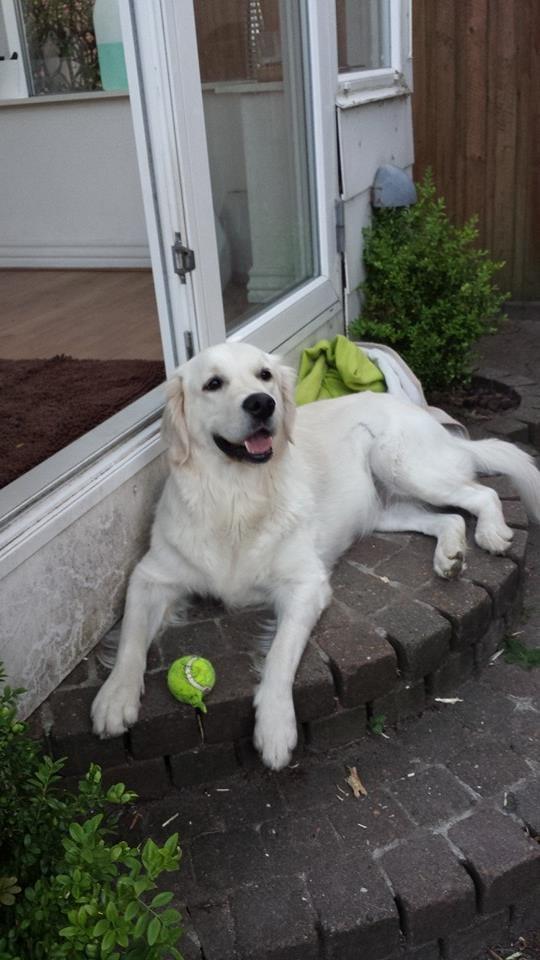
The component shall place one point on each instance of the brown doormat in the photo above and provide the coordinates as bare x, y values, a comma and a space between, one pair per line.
46, 404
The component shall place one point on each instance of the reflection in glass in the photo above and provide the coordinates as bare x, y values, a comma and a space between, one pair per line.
363, 34
259, 143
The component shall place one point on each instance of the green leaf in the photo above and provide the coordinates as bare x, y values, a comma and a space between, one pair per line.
162, 899
153, 932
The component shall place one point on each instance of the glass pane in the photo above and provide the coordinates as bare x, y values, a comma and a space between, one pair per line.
79, 332
363, 34
258, 133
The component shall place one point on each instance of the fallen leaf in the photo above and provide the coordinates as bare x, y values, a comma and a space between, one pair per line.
355, 783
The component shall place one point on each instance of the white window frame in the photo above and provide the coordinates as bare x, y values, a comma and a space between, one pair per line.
361, 86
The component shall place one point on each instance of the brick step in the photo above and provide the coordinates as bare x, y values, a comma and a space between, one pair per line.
394, 638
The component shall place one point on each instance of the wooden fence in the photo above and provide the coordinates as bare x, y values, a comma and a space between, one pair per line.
477, 123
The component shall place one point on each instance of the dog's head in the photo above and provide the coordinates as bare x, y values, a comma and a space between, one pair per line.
232, 399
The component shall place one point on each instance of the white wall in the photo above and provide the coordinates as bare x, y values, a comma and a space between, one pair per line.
69, 186
371, 135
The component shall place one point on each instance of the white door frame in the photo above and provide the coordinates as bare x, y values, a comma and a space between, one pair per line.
174, 109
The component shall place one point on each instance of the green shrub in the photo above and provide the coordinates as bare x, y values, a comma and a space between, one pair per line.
67, 889
428, 290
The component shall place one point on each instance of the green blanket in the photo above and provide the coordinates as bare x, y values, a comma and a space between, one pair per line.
335, 368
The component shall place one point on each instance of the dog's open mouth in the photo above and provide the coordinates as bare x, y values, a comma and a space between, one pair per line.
257, 448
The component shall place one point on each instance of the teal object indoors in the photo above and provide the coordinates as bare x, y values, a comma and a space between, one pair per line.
112, 66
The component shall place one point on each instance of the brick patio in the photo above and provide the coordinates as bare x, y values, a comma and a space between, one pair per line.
438, 860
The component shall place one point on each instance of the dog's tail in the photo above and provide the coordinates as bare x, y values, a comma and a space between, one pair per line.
497, 456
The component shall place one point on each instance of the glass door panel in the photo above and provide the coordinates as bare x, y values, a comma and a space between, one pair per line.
259, 138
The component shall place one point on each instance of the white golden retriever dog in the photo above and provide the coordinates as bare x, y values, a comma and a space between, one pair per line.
262, 499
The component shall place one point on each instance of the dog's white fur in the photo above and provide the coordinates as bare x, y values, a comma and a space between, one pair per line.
256, 533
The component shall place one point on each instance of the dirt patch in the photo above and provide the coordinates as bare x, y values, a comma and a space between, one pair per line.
481, 400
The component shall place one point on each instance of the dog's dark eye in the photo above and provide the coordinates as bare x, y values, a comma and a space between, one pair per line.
215, 383
265, 374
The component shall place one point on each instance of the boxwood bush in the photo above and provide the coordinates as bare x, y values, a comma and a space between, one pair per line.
68, 889
429, 290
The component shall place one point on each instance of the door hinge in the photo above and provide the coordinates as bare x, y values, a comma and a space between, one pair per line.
188, 344
340, 225
183, 258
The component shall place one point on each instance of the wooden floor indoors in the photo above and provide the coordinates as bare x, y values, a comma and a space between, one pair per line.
86, 314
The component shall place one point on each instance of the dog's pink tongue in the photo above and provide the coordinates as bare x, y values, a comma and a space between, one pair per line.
258, 443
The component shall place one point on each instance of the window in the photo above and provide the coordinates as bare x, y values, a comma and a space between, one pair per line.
53, 48
364, 35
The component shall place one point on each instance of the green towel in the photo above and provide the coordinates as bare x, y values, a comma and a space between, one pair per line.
335, 368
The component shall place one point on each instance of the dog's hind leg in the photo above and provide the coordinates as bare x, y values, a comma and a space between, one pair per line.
116, 706
447, 528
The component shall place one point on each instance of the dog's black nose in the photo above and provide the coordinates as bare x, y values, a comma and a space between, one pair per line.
259, 405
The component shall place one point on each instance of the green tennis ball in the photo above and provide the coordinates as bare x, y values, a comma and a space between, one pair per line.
189, 678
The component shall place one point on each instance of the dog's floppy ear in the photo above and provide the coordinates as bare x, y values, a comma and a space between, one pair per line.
173, 425
287, 385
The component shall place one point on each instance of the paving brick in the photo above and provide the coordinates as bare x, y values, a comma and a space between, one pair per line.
405, 700
313, 691
508, 428
485, 932
526, 803
428, 951
338, 729
479, 710
372, 550
77, 677
292, 845
504, 861
225, 860
503, 486
205, 763
518, 547
510, 679
369, 822
363, 662
165, 726
420, 636
434, 893
202, 639
242, 631
378, 760
311, 785
435, 737
275, 922
230, 704
363, 592
410, 567
214, 925
525, 913
467, 606
487, 766
515, 514
457, 667
148, 778
498, 575
356, 911
188, 812
250, 759
431, 797
242, 802
491, 642
72, 735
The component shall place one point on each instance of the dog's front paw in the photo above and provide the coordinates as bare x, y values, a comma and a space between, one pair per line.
275, 733
116, 706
